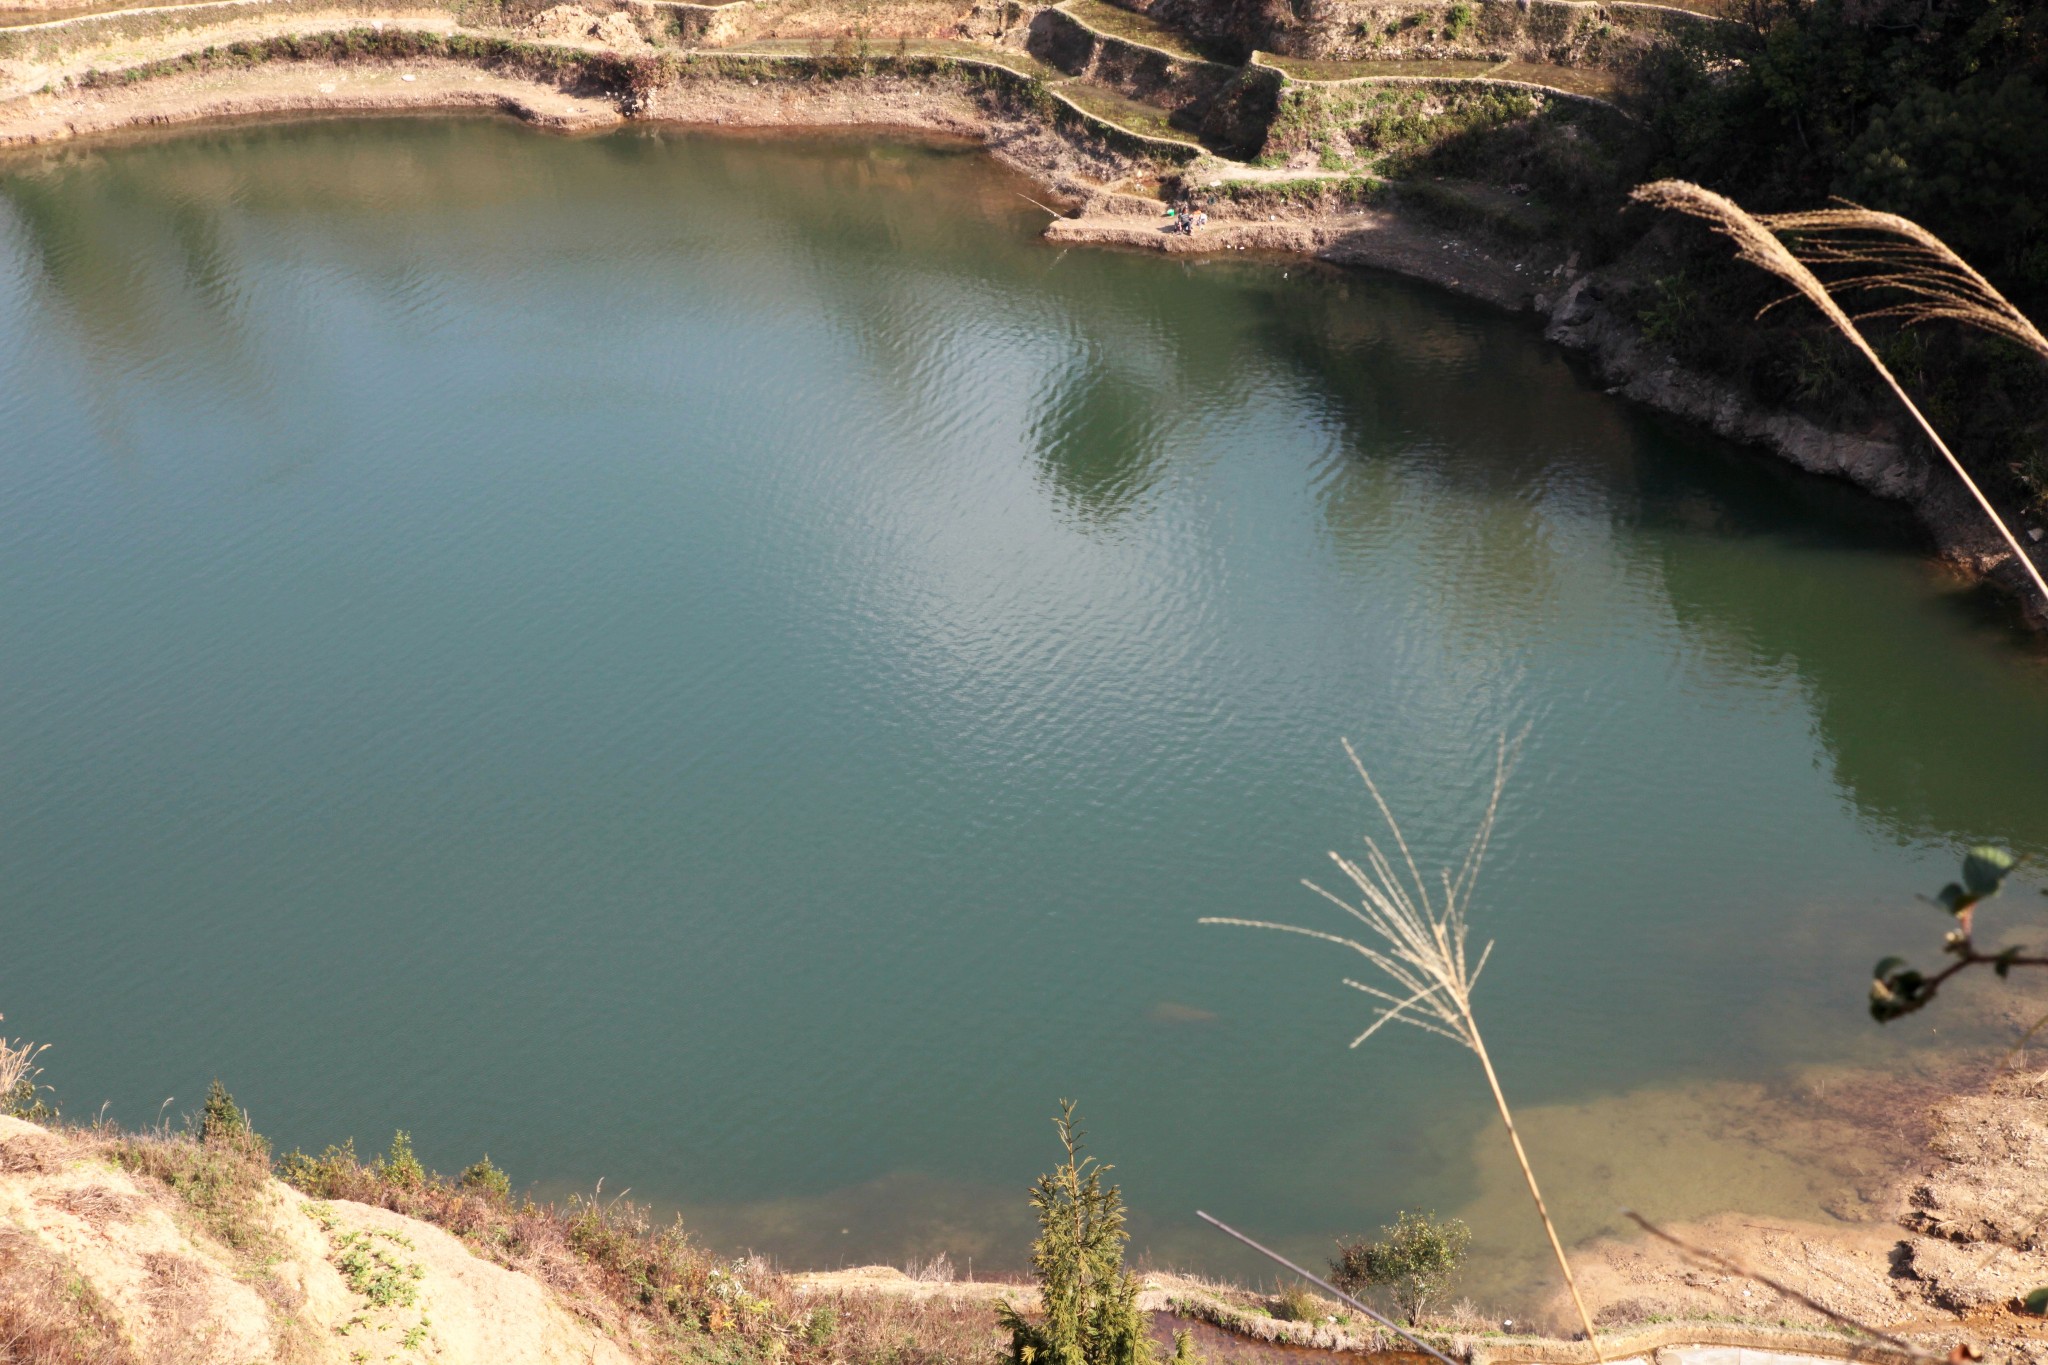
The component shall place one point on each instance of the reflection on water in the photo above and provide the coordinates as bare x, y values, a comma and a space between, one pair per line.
728, 667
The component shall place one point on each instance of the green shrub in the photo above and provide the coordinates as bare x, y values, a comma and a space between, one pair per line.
220, 1118
330, 1175
399, 1166
1671, 312
486, 1179
1414, 1262
25, 1101
1088, 1301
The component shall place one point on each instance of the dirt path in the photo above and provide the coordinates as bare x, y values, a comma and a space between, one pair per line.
1365, 237
295, 88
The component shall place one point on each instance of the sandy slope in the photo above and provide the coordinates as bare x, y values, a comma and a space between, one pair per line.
178, 1295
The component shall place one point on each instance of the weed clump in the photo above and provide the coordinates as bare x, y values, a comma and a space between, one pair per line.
20, 1096
1296, 1302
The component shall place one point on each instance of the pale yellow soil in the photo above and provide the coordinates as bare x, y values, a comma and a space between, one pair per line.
1953, 1242
179, 1296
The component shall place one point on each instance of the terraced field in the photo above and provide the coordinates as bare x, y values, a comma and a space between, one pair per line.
1121, 109
1118, 22
1572, 80
1023, 63
22, 18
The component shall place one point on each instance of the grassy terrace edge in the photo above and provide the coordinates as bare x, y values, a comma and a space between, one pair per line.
623, 77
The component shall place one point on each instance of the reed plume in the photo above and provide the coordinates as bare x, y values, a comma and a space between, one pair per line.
1419, 942
1913, 273
18, 1064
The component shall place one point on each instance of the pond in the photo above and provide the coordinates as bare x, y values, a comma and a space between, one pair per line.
727, 667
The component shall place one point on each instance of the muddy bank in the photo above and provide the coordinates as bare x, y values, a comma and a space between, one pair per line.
1964, 1237
1384, 239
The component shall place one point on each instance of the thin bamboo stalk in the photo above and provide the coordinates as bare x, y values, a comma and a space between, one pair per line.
1571, 1283
1419, 944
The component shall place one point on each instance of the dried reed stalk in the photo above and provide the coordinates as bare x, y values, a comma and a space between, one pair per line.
18, 1063
1918, 277
1422, 938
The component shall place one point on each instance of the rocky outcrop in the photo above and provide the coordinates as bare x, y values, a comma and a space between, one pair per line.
1583, 318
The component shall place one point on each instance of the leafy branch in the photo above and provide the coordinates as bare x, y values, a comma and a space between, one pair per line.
1897, 988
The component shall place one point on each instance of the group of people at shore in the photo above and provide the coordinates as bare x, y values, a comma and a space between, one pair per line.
1186, 219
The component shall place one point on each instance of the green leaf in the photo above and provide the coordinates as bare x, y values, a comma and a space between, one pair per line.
2036, 1301
1984, 869
2003, 962
1886, 966
1954, 899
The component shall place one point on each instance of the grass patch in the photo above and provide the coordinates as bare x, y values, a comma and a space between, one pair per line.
223, 1179
1148, 120
1320, 194
374, 1273
1133, 27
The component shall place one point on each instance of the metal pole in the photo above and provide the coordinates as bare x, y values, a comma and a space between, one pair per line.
1323, 1284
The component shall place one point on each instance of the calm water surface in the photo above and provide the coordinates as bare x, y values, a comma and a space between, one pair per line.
729, 667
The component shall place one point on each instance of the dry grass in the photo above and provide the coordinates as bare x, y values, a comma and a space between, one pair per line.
18, 1072
47, 1315
1912, 273
650, 1283
606, 1260
1299, 1303
222, 1182
908, 1330
97, 1204
1418, 941
932, 1270
856, 20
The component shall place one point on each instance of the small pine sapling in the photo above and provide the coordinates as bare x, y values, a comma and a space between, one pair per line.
486, 1179
1089, 1302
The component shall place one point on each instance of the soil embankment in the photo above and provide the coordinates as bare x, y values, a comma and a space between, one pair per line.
118, 1265
126, 1249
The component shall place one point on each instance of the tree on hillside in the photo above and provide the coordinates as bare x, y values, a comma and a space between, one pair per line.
1414, 1261
1088, 1303
1937, 112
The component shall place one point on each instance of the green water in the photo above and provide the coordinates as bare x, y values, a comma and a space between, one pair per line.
730, 668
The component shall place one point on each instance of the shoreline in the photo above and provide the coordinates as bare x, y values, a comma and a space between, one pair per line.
1945, 1260
1106, 191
